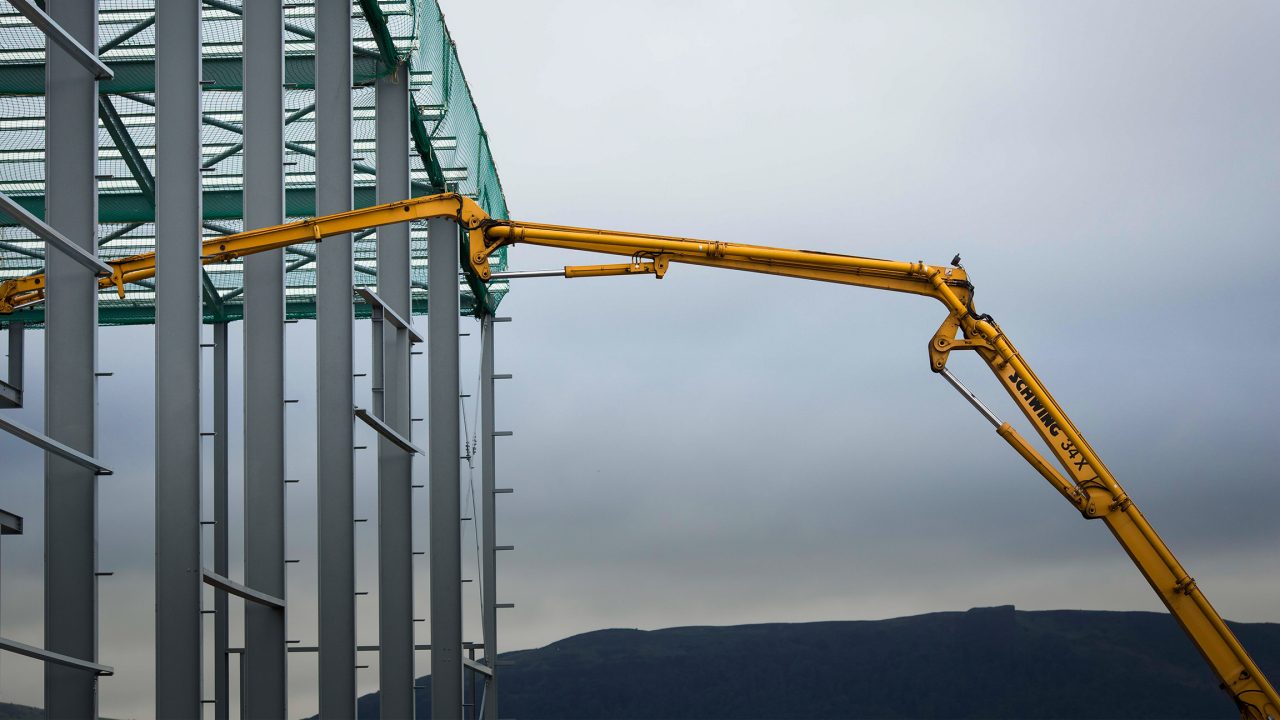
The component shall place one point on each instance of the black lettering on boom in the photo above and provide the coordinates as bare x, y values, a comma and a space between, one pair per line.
1037, 406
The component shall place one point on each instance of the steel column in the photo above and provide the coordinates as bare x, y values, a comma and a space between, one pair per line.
221, 529
178, 318
71, 348
10, 524
444, 441
11, 386
264, 657
488, 517
395, 465
334, 422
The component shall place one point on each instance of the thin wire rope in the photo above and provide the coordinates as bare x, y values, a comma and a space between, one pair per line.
471, 483
475, 526
471, 441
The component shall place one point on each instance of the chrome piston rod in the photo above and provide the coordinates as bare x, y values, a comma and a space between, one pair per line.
973, 399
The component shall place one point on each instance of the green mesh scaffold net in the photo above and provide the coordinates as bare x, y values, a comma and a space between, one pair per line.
450, 150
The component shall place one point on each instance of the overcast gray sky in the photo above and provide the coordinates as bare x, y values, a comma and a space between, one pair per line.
720, 448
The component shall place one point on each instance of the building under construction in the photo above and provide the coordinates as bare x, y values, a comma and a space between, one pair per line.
134, 126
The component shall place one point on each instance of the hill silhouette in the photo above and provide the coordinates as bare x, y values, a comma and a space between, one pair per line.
983, 663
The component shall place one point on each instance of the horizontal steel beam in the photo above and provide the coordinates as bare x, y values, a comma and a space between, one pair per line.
218, 204
389, 314
299, 307
53, 237
31, 651
385, 431
48, 444
54, 32
361, 648
241, 591
10, 524
482, 669
219, 73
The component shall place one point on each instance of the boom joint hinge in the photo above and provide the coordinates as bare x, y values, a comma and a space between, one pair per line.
945, 340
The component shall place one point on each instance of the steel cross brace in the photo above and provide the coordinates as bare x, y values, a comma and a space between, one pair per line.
295, 147
146, 181
381, 311
307, 257
48, 444
241, 591
54, 32
120, 39
385, 431
53, 237
291, 27
31, 651
289, 120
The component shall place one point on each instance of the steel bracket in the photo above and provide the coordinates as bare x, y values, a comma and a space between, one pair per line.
945, 340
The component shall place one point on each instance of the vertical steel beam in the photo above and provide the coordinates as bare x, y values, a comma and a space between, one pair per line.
221, 529
334, 421
178, 317
264, 693
444, 441
17, 356
488, 518
395, 466
71, 348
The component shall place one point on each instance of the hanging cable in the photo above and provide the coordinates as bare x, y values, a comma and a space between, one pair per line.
471, 443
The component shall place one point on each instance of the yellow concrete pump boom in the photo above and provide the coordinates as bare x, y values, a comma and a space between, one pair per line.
1088, 485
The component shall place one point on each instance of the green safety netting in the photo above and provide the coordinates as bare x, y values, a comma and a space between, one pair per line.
450, 150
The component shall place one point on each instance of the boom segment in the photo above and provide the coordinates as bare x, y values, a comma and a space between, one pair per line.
1088, 485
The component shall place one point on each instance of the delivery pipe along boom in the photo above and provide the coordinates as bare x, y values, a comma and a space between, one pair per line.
1087, 483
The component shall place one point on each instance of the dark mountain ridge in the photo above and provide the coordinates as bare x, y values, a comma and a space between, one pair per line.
986, 663
983, 663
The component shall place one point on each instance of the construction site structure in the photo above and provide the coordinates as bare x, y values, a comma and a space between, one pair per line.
461, 234
136, 126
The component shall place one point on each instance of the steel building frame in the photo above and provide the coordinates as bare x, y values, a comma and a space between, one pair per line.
71, 605
186, 296
448, 143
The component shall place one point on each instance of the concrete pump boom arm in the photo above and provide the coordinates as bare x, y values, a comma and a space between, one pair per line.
1092, 489
1088, 485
